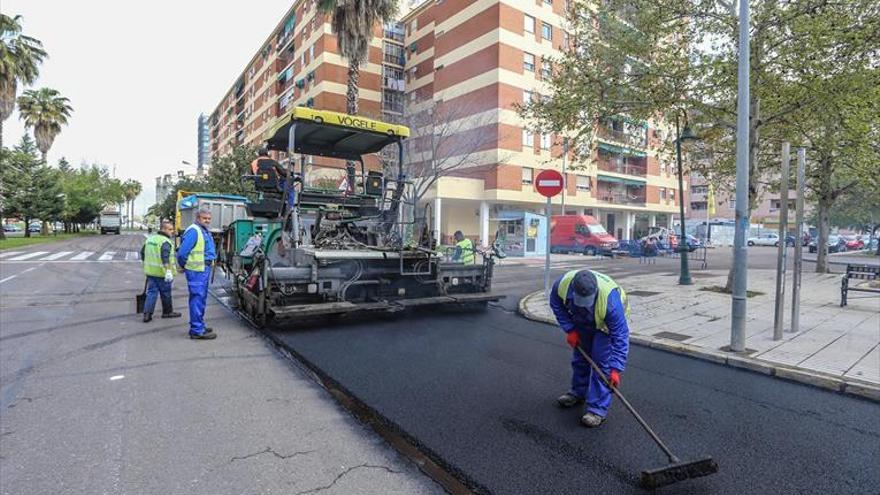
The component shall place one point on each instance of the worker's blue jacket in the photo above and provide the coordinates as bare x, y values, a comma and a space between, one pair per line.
571, 317
188, 241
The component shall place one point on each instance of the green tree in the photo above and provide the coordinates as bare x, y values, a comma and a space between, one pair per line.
661, 59
44, 110
131, 189
168, 207
20, 58
225, 173
33, 189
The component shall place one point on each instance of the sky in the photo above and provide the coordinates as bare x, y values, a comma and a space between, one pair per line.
138, 74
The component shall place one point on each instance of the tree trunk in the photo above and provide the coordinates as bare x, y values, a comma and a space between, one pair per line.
44, 158
351, 107
27, 227
1, 134
822, 241
44, 228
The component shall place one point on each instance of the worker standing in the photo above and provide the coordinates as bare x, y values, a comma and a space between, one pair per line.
157, 254
591, 309
465, 250
195, 256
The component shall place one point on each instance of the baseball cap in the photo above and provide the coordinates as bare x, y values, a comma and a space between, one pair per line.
584, 289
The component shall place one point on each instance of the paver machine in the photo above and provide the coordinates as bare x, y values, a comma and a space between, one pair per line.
316, 247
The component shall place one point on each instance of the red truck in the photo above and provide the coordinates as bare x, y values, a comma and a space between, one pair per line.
580, 234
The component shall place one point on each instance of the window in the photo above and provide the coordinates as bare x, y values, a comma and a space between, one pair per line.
548, 2
545, 141
546, 31
528, 139
312, 52
527, 175
700, 189
662, 193
529, 24
546, 69
583, 183
672, 195
732, 204
527, 97
528, 62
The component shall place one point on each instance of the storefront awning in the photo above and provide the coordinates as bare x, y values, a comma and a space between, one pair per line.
620, 180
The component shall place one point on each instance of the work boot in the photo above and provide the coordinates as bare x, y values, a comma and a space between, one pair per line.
148, 317
568, 399
204, 336
171, 314
591, 420
209, 330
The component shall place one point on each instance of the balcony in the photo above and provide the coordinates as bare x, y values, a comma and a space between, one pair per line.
622, 164
621, 191
635, 136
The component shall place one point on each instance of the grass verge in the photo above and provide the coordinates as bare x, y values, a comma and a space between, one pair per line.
720, 289
17, 242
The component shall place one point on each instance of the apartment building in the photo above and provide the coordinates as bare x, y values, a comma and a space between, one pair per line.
489, 55
298, 64
204, 144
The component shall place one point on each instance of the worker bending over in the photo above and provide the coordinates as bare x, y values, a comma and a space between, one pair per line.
195, 257
591, 309
157, 254
465, 250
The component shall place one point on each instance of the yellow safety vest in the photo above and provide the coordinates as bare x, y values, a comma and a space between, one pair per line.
153, 256
195, 262
467, 251
605, 285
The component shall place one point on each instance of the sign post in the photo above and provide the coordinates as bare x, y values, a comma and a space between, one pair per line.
548, 183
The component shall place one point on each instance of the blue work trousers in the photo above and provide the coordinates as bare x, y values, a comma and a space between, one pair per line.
584, 382
197, 283
291, 193
157, 286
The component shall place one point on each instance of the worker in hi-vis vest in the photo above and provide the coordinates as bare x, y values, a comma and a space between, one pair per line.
465, 250
195, 257
591, 309
157, 254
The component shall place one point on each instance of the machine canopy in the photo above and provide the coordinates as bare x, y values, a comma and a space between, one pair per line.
332, 134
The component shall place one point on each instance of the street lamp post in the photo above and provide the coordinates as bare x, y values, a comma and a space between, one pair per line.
686, 134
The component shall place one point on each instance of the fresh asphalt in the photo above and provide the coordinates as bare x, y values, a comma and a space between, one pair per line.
477, 391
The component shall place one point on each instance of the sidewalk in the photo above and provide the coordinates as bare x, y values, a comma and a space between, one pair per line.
836, 348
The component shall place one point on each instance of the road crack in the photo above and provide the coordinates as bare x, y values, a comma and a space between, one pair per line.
270, 450
345, 472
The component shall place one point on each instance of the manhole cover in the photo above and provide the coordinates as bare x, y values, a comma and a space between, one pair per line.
642, 293
672, 336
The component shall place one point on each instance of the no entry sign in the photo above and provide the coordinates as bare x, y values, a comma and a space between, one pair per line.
549, 183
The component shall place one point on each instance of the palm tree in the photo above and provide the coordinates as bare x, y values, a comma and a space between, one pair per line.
131, 188
353, 22
46, 111
20, 57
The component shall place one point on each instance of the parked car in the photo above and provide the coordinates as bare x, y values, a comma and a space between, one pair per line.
11, 228
835, 243
693, 243
765, 239
580, 234
35, 227
854, 243
789, 240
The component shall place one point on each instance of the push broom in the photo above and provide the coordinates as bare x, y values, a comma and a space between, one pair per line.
676, 470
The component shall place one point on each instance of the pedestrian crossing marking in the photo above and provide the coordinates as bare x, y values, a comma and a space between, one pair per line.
55, 256
29, 255
10, 253
82, 256
132, 256
107, 256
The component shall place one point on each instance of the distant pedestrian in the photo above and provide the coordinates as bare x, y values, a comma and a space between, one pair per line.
465, 250
196, 255
591, 309
157, 254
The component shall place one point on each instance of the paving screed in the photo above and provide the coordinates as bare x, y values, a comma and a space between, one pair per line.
478, 389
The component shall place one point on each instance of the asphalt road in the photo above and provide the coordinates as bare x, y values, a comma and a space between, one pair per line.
92, 400
477, 391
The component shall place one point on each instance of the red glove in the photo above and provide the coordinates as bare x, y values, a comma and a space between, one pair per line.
614, 378
573, 338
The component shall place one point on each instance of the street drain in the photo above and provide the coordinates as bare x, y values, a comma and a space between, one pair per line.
642, 293
672, 336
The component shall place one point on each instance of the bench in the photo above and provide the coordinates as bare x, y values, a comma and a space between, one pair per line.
858, 272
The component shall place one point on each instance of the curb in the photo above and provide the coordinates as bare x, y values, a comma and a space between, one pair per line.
856, 388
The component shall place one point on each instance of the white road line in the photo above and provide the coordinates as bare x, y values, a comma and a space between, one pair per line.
82, 256
29, 255
132, 256
55, 256
17, 274
107, 256
10, 253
